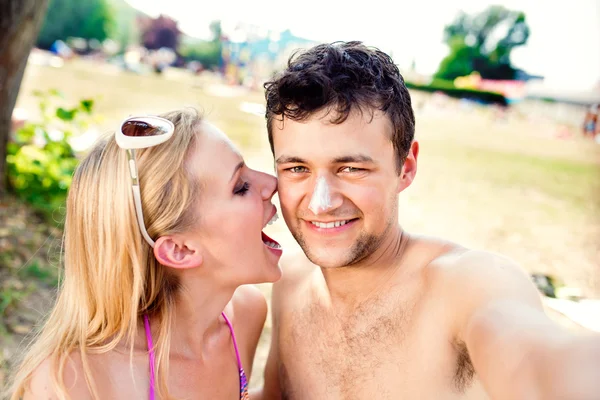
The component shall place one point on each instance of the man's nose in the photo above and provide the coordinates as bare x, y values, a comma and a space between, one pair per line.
324, 197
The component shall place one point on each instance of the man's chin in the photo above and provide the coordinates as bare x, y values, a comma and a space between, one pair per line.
323, 254
326, 258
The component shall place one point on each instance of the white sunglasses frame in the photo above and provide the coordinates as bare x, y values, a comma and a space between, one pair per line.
130, 144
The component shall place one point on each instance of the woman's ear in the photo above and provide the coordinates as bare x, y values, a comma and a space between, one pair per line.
176, 252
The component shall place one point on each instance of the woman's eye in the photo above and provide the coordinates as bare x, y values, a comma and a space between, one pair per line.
242, 189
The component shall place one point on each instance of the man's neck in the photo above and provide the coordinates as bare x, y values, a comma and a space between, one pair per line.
352, 285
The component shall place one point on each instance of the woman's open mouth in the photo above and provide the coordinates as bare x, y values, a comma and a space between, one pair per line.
270, 243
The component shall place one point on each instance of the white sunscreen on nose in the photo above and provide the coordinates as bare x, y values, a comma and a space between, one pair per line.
321, 199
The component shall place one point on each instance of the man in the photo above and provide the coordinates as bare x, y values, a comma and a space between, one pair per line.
370, 311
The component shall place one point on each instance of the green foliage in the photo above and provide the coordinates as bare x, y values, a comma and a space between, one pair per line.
40, 159
447, 87
459, 62
46, 274
483, 43
207, 53
12, 292
87, 19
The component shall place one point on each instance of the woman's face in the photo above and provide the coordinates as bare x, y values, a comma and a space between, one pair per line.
233, 208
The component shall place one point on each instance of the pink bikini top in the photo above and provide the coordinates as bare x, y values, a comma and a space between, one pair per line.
243, 379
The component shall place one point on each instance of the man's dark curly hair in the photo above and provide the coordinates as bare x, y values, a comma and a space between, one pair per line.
342, 77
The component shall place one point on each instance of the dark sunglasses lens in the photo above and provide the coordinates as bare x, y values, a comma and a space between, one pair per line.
142, 128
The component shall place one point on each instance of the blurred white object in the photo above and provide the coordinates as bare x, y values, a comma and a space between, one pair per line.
253, 108
583, 312
18, 119
84, 141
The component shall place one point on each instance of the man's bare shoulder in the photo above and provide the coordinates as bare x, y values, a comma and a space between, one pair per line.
433, 254
455, 270
451, 260
478, 269
471, 279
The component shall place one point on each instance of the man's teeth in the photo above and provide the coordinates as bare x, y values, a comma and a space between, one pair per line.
329, 225
273, 219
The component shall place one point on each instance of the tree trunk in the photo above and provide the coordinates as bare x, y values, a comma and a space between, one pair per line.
20, 22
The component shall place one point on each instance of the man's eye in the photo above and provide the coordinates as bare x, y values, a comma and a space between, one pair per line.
351, 169
297, 170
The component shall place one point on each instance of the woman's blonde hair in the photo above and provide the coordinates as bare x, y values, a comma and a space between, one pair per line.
111, 277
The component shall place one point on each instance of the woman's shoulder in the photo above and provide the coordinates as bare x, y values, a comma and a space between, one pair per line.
41, 384
103, 367
249, 305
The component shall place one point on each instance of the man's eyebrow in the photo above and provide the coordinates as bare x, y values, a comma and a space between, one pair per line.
355, 158
290, 159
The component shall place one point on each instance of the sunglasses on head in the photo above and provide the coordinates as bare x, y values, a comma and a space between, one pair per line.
141, 132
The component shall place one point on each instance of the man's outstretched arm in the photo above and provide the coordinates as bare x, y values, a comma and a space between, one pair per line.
517, 351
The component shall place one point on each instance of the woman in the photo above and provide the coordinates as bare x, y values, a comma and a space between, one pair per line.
152, 303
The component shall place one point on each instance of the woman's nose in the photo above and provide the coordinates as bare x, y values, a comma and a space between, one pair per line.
269, 187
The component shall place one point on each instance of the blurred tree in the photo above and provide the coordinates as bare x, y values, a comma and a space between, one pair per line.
160, 32
87, 19
483, 43
20, 22
208, 53
126, 30
216, 31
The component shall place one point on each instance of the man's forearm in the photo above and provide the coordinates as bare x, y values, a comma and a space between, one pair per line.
520, 354
566, 370
572, 371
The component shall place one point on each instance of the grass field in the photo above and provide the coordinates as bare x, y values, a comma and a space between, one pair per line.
508, 186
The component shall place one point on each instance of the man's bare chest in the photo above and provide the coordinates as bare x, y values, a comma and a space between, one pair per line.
341, 351
381, 350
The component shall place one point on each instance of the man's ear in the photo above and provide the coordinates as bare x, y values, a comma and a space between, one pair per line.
409, 168
175, 252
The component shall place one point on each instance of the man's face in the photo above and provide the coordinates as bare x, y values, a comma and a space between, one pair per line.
339, 184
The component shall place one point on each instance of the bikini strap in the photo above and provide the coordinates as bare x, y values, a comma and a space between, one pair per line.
151, 353
237, 353
243, 381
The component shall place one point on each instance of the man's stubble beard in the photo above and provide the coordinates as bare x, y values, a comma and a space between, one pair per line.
363, 247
